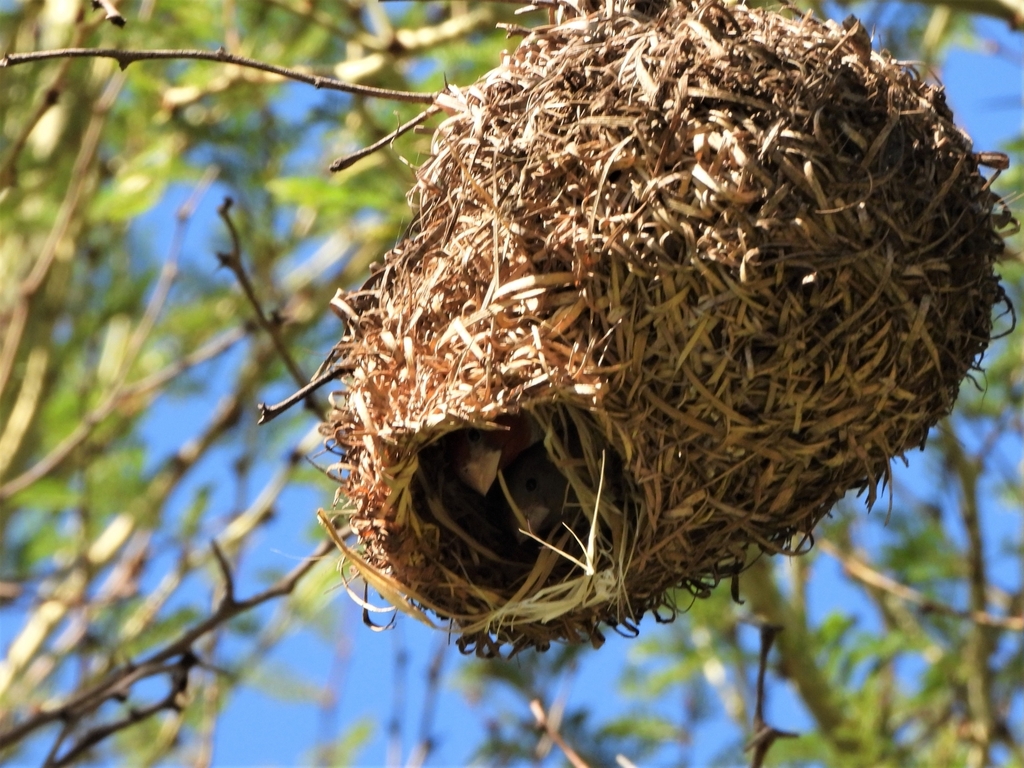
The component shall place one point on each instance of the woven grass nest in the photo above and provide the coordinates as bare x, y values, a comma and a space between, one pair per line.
730, 262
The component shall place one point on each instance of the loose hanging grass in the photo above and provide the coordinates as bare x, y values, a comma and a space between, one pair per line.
731, 260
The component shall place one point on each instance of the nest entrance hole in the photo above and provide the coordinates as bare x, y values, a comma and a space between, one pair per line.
465, 529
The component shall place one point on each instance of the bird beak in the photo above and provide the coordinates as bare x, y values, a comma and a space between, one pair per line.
531, 521
480, 473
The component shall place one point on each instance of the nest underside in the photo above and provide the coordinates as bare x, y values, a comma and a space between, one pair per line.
747, 258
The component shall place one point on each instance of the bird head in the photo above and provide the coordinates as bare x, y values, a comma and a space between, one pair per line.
476, 455
535, 492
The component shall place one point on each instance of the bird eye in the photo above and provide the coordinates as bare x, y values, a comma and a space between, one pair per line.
473, 435
531, 485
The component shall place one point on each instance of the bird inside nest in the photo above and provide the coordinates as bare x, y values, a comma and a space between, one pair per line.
534, 497
477, 455
534, 494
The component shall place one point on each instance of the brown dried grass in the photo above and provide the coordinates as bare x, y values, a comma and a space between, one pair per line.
745, 257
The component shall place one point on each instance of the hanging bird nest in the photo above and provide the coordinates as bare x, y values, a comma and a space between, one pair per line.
729, 261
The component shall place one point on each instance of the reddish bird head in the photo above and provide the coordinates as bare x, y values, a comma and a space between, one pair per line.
476, 455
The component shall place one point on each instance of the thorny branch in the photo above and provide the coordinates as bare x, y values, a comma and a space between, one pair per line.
124, 58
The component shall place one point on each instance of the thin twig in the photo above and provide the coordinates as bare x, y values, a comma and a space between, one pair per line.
271, 412
542, 720
422, 750
764, 735
233, 261
346, 161
68, 595
868, 576
119, 681
178, 674
111, 13
124, 58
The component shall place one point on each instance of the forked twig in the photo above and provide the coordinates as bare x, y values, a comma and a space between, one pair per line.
118, 682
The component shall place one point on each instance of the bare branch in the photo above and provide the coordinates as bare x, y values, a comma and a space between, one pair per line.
800, 664
117, 684
764, 735
178, 674
552, 733
271, 412
111, 13
124, 58
346, 161
233, 261
868, 576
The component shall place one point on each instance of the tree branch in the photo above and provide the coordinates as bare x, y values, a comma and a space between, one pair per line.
118, 682
346, 161
964, 470
796, 648
868, 576
233, 261
124, 58
764, 735
178, 674
271, 412
111, 13
552, 733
